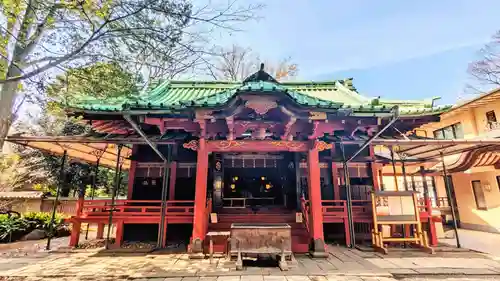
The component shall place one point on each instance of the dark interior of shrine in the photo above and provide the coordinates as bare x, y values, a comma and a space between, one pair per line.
264, 186
264, 180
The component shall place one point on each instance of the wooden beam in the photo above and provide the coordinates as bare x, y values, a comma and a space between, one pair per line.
256, 146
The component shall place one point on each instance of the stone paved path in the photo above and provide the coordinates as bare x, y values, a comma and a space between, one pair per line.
342, 263
260, 278
476, 240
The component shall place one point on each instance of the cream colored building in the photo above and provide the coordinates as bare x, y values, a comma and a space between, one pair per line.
475, 174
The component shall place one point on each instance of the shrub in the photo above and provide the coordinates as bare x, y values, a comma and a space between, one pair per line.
41, 220
12, 227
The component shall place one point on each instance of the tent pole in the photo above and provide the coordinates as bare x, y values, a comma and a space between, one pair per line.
92, 193
395, 117
54, 205
403, 169
451, 202
113, 196
348, 197
394, 169
164, 192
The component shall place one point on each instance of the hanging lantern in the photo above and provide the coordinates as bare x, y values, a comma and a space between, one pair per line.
233, 186
218, 183
263, 178
235, 178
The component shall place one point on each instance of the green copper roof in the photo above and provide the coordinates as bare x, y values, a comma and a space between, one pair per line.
175, 95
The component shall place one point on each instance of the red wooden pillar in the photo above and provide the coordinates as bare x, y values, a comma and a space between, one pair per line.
173, 176
381, 178
131, 173
119, 234
79, 206
76, 226
316, 211
376, 183
432, 225
164, 241
335, 181
100, 231
200, 198
75, 233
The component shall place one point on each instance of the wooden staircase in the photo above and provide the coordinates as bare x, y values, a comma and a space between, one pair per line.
300, 235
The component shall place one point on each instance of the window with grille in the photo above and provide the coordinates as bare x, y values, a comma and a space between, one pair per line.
477, 189
454, 131
418, 185
491, 117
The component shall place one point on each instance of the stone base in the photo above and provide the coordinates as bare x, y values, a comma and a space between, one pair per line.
196, 249
196, 256
317, 249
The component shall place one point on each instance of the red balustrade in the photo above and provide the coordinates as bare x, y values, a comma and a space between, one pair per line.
334, 210
134, 211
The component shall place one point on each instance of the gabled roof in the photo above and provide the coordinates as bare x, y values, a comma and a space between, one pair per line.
480, 100
21, 194
176, 95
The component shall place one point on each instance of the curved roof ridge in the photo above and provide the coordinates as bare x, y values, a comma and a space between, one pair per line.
271, 86
354, 94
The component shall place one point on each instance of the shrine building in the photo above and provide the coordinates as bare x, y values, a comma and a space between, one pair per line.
204, 154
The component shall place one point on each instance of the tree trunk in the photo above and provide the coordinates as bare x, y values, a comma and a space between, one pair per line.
7, 97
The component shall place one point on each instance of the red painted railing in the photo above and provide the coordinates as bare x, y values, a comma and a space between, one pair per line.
128, 208
334, 208
362, 209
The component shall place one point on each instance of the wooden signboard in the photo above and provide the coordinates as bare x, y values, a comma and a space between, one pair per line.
396, 208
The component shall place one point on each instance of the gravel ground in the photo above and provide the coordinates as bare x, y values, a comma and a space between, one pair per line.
31, 248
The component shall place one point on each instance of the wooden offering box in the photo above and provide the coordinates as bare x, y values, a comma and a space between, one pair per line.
253, 239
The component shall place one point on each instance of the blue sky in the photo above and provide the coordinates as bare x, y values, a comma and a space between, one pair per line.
393, 48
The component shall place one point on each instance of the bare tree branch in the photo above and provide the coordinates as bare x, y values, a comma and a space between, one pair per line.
487, 70
236, 63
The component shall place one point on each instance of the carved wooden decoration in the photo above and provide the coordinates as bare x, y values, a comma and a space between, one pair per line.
288, 144
230, 127
261, 107
255, 145
288, 129
224, 145
193, 145
321, 145
313, 115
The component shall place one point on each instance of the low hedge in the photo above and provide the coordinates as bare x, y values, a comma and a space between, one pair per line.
14, 227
